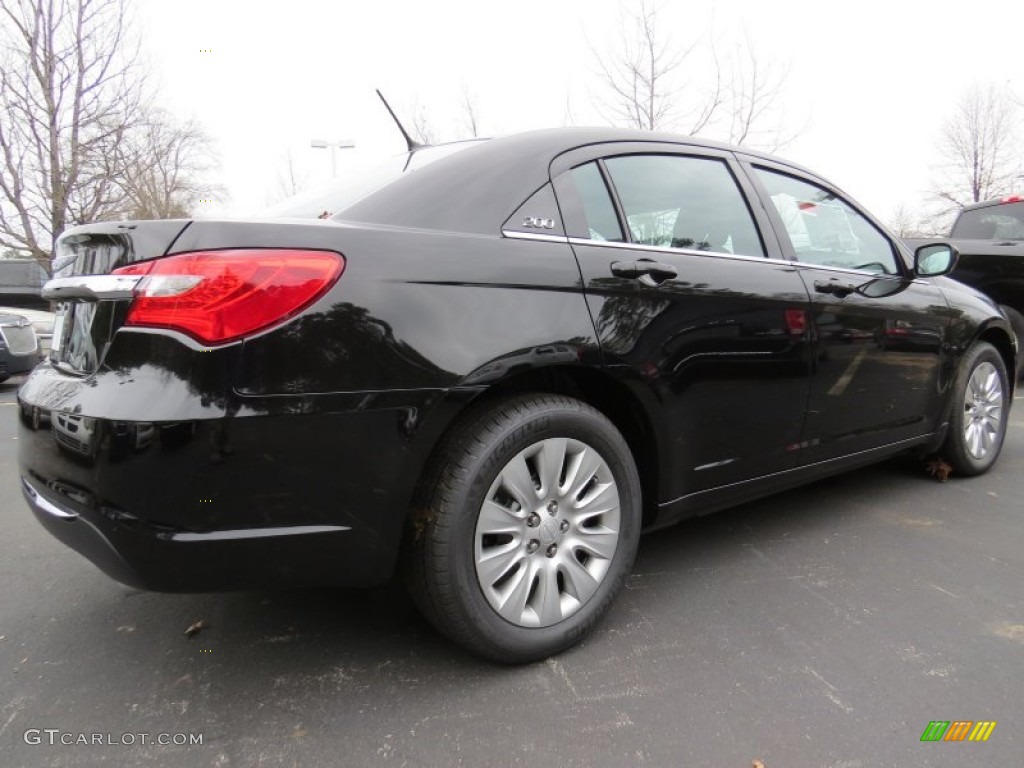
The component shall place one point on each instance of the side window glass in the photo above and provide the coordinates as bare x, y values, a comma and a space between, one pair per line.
824, 229
684, 202
602, 223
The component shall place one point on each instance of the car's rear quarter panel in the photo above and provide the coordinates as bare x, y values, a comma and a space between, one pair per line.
323, 422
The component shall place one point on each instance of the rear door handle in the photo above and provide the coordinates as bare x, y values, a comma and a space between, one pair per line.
837, 289
655, 270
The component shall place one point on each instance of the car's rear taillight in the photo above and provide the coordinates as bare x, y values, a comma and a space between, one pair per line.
222, 296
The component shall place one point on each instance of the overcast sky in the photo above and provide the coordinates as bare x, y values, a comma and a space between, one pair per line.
867, 84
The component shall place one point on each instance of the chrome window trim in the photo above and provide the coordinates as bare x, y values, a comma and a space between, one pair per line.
846, 271
539, 236
683, 251
690, 252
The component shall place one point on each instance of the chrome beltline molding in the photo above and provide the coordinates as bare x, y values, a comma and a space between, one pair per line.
689, 252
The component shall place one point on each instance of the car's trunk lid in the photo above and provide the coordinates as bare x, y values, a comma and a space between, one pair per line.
91, 302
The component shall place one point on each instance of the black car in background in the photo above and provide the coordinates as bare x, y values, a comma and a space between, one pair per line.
19, 347
491, 368
990, 239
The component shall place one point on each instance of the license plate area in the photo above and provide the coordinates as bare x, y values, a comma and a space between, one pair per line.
81, 333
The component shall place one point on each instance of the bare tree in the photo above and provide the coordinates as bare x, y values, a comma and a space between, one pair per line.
78, 142
470, 112
161, 170
752, 105
641, 78
69, 89
290, 181
423, 129
908, 222
978, 147
568, 115
648, 86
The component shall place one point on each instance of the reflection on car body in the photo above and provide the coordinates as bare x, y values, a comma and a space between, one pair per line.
19, 347
76, 433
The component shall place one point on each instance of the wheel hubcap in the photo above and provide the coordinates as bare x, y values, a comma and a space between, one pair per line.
983, 411
547, 532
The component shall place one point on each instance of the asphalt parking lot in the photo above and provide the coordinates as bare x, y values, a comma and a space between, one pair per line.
823, 627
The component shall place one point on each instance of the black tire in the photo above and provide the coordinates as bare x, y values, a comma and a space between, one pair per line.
1017, 323
442, 565
957, 450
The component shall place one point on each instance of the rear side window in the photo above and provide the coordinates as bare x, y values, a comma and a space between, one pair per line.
684, 202
602, 222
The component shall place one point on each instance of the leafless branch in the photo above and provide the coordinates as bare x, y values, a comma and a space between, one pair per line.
470, 112
648, 84
423, 129
290, 181
640, 77
75, 133
978, 148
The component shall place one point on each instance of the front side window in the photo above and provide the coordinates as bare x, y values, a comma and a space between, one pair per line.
684, 202
824, 229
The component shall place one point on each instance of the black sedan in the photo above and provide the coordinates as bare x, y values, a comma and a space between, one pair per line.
490, 368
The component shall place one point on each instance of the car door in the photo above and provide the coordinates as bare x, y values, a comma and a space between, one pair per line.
878, 332
692, 306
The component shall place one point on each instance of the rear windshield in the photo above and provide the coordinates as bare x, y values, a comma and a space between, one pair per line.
998, 222
339, 194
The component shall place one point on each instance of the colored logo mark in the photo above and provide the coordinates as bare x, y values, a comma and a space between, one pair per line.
958, 730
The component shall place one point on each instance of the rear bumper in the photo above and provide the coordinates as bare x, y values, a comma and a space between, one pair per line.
141, 556
237, 494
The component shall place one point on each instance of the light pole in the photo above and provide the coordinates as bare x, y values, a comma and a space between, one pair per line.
334, 145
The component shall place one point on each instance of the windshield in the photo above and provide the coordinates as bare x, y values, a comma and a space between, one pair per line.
997, 222
340, 193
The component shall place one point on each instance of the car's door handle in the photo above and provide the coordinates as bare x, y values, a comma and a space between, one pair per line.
837, 289
655, 270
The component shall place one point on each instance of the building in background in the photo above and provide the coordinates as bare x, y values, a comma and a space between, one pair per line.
21, 284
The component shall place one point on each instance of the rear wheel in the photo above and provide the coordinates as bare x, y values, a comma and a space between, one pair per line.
979, 410
526, 528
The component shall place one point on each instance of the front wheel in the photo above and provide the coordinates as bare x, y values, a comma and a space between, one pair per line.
526, 527
977, 424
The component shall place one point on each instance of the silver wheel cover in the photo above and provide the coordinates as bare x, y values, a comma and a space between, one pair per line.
983, 411
547, 532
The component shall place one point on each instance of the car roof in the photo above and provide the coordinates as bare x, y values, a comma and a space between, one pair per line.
554, 141
993, 202
458, 192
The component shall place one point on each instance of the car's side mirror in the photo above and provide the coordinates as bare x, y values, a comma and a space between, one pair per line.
935, 259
